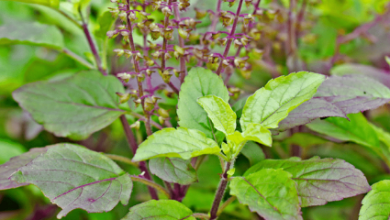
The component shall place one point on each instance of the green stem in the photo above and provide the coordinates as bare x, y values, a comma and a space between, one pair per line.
77, 58
201, 215
122, 159
151, 184
225, 204
69, 18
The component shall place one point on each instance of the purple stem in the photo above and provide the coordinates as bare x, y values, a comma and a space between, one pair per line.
220, 191
92, 46
183, 69
229, 42
134, 146
216, 18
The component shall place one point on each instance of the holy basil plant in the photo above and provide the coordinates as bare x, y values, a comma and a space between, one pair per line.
73, 176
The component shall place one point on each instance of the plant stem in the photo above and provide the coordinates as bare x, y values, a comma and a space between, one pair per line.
225, 204
68, 17
201, 215
165, 40
77, 58
137, 70
291, 48
133, 145
92, 45
231, 35
183, 69
129, 134
154, 124
214, 22
121, 159
151, 184
220, 191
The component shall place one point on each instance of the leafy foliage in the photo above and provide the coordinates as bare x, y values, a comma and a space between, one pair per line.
319, 180
31, 34
163, 209
220, 113
173, 170
356, 129
187, 83
376, 202
271, 104
269, 192
90, 105
14, 164
74, 177
199, 83
181, 142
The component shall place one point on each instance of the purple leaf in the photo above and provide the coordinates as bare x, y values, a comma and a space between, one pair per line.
338, 96
72, 177
320, 180
354, 94
310, 110
362, 70
7, 169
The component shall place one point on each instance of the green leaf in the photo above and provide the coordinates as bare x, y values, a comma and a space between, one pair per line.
173, 170
271, 193
198, 83
376, 204
72, 177
253, 152
181, 142
272, 103
382, 135
74, 107
105, 21
357, 129
258, 133
319, 180
304, 140
50, 3
161, 210
220, 113
32, 34
7, 169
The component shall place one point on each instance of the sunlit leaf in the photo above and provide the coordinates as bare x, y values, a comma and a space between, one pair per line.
74, 177
198, 83
74, 107
376, 204
32, 34
7, 169
181, 142
338, 96
272, 103
320, 180
220, 113
161, 210
382, 135
173, 170
258, 133
356, 129
271, 193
